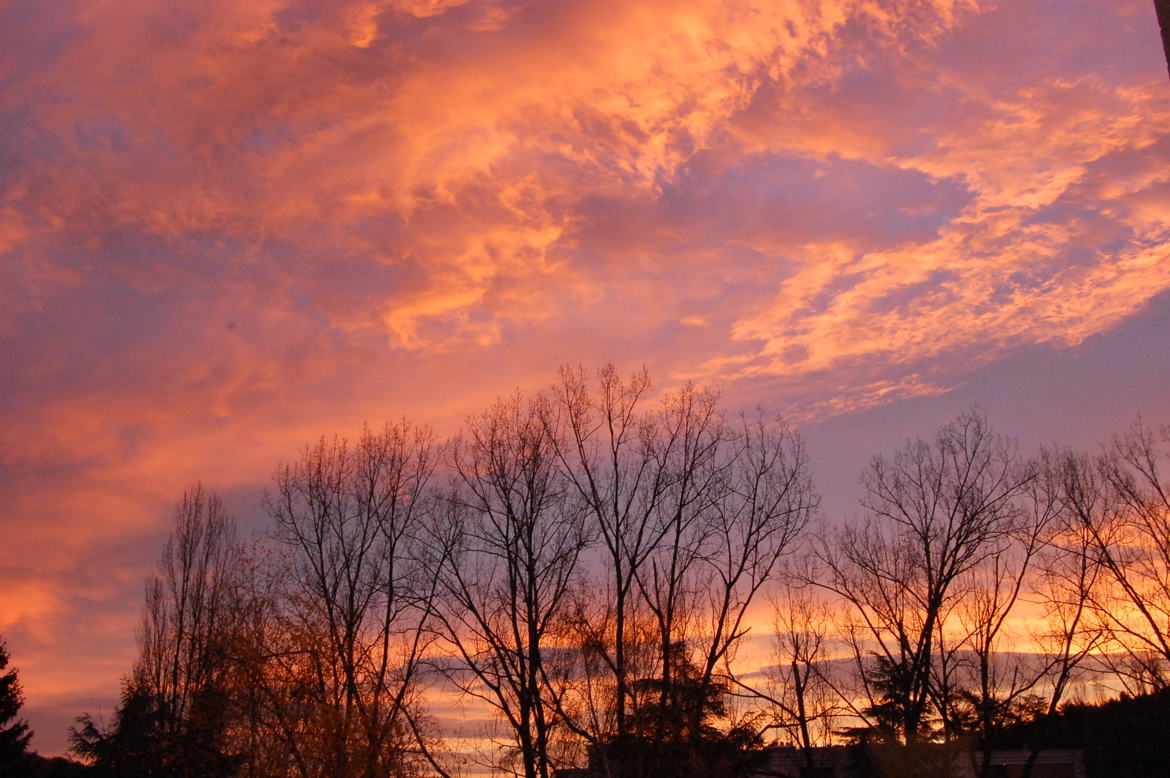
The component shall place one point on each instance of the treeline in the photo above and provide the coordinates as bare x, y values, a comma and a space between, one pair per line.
587, 563
1124, 736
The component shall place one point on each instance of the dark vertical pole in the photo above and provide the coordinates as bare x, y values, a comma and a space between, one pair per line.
1163, 9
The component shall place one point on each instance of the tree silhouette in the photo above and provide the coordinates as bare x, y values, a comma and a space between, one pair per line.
691, 512
14, 734
584, 562
674, 731
172, 720
352, 616
512, 534
935, 512
132, 745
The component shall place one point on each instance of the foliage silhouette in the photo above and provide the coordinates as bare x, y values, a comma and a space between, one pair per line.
14, 733
674, 730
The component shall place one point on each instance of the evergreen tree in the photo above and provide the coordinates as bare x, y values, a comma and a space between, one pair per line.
133, 745
675, 730
14, 733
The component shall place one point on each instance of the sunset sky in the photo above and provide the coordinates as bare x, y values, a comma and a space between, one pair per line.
229, 227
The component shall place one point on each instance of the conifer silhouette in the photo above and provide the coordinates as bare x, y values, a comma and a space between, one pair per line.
14, 733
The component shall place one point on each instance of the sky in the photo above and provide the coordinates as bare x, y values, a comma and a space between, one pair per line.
228, 228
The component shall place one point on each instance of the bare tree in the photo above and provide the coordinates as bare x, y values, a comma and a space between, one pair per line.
174, 715
183, 662
1000, 687
765, 498
357, 600
801, 690
1130, 538
1066, 576
688, 452
934, 511
508, 549
693, 513
613, 459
